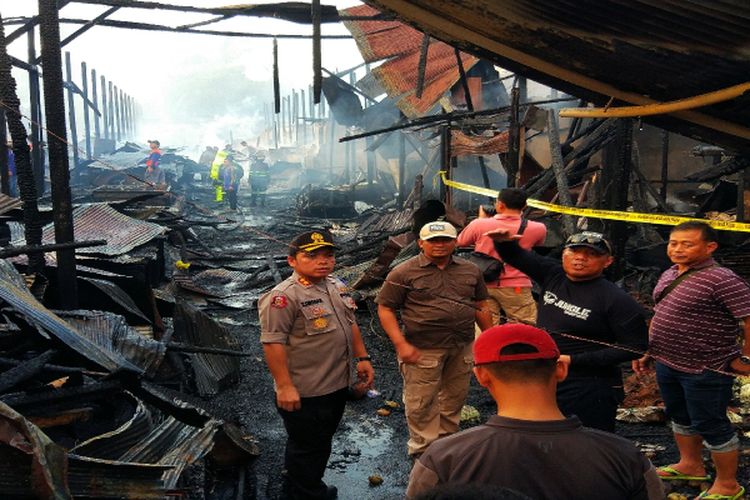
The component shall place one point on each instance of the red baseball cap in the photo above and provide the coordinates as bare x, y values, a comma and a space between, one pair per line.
488, 346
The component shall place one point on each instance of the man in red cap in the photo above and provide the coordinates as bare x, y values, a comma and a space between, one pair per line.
530, 446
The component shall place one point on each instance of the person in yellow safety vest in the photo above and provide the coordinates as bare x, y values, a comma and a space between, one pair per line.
216, 171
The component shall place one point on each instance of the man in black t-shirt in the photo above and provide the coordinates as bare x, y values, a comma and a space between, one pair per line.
596, 324
529, 446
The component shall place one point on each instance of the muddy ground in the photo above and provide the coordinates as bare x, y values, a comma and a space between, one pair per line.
366, 444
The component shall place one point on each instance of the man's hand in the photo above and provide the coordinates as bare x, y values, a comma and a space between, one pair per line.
365, 374
642, 365
739, 368
501, 235
407, 353
287, 398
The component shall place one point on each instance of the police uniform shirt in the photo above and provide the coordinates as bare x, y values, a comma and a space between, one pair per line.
314, 321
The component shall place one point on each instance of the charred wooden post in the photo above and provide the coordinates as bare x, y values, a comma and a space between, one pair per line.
105, 108
121, 113
422, 68
553, 132
315, 14
276, 90
71, 109
311, 107
289, 116
664, 164
54, 103
33, 249
4, 173
615, 176
86, 120
35, 101
115, 114
14, 376
94, 98
514, 138
445, 162
24, 173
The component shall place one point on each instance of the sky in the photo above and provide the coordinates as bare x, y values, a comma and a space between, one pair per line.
193, 90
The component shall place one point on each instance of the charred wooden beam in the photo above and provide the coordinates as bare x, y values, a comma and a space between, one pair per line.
422, 68
35, 106
27, 188
71, 109
86, 120
54, 103
54, 368
83, 29
42, 399
131, 25
553, 133
316, 17
296, 12
4, 174
25, 371
182, 347
35, 249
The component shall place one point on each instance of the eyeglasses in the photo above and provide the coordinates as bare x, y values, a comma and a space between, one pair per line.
591, 238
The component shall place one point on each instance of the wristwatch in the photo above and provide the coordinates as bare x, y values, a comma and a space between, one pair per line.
745, 360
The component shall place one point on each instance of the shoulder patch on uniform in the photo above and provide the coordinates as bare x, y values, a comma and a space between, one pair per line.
279, 302
304, 282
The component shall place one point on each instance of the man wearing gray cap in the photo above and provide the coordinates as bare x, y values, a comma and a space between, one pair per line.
440, 297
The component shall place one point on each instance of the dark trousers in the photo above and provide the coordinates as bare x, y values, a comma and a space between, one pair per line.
309, 435
232, 197
593, 400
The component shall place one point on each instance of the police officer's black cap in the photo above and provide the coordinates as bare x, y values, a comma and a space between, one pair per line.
311, 241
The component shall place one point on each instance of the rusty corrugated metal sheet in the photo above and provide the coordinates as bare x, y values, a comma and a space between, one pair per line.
401, 45
13, 291
102, 222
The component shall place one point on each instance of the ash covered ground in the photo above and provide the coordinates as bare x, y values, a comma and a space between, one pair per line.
366, 444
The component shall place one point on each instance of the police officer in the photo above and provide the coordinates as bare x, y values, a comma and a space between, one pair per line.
310, 339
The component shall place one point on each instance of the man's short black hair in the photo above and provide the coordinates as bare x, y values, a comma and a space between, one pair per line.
513, 198
707, 232
532, 370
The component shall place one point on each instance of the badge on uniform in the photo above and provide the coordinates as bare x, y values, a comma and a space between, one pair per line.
279, 302
320, 323
304, 282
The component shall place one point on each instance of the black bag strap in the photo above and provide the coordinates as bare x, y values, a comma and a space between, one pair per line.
679, 279
522, 227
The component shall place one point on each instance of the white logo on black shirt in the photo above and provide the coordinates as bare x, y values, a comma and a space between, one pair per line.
550, 299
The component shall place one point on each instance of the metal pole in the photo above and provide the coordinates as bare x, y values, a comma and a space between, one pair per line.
86, 122
116, 114
296, 117
71, 108
54, 102
304, 116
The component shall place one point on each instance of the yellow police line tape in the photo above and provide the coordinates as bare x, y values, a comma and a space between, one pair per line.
637, 217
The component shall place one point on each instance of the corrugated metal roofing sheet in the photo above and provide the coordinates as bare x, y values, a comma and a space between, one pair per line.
102, 222
401, 46
13, 291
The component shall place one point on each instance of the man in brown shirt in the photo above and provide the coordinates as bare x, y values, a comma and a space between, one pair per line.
440, 298
309, 338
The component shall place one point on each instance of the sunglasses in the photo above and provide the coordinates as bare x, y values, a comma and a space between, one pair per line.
590, 238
